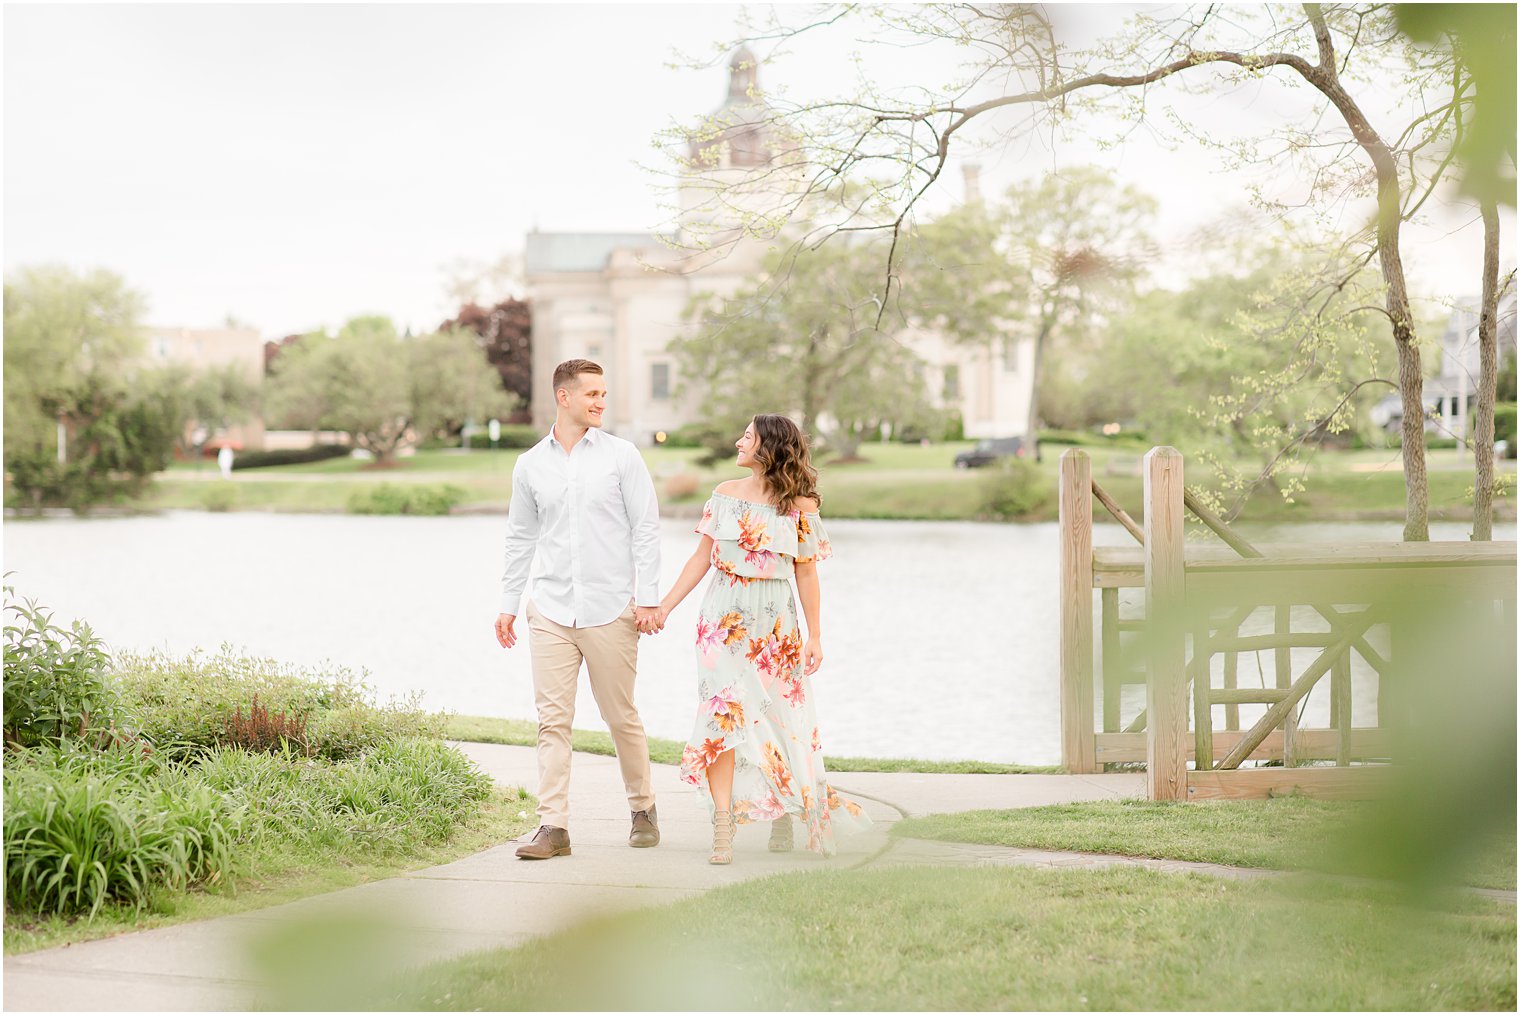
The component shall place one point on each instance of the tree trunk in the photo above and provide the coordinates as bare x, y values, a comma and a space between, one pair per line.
1047, 325
1325, 78
1488, 379
844, 442
1412, 392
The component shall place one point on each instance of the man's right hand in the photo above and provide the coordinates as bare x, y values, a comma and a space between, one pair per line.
504, 633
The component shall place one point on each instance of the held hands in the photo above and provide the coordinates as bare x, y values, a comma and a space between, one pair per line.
650, 619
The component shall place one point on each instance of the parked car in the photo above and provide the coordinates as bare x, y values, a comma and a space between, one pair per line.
989, 450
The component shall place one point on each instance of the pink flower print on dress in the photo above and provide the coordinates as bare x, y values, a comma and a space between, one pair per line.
763, 561
726, 709
709, 639
762, 652
768, 809
794, 694
693, 764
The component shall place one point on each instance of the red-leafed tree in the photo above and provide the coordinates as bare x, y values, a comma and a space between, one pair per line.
506, 337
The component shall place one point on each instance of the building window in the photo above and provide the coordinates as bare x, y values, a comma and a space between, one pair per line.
1010, 356
659, 380
160, 347
593, 352
952, 383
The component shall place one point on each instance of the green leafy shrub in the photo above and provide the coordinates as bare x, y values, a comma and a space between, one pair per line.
687, 436
55, 679
239, 765
390, 499
182, 704
116, 441
513, 435
1088, 439
289, 456
219, 497
86, 828
1013, 488
90, 828
400, 794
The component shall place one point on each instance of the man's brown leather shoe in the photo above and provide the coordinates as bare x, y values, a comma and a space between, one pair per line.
547, 841
646, 828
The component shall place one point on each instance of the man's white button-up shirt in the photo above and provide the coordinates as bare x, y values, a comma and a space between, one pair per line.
594, 520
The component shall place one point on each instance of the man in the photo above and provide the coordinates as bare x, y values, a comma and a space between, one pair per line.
584, 500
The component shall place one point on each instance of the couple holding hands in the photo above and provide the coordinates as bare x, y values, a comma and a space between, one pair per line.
583, 499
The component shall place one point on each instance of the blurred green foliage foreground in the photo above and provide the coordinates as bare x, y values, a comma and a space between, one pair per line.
983, 939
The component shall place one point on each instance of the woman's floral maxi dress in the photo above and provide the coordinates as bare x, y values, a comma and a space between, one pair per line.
753, 696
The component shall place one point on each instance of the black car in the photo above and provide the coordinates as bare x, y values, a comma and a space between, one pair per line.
989, 450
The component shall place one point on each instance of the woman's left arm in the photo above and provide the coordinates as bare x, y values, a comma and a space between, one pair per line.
811, 596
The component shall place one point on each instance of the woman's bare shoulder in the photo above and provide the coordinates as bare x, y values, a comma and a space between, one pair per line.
728, 486
807, 505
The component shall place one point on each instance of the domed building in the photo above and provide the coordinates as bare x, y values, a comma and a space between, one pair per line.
620, 298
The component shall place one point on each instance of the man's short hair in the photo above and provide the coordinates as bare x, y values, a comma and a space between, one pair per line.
571, 369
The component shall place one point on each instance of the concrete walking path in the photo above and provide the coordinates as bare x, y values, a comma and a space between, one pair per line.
492, 899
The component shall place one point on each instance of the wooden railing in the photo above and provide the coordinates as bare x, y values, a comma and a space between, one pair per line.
1206, 603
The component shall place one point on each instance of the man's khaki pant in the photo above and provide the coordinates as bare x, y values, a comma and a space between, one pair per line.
611, 652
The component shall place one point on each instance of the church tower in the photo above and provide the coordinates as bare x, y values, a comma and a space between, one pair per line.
736, 174
737, 134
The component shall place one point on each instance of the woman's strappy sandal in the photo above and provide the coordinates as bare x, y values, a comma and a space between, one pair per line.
723, 838
781, 834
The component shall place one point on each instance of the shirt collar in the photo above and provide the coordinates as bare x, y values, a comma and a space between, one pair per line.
593, 434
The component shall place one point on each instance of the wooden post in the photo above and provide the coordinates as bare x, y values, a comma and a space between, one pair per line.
1203, 716
1281, 623
1231, 681
1166, 638
1340, 707
1078, 746
1113, 669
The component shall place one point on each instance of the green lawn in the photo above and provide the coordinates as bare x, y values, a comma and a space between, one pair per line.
905, 481
1284, 833
998, 939
524, 733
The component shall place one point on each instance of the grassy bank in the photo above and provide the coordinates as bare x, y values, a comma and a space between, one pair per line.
892, 481
1287, 833
176, 788
1002, 939
293, 873
524, 733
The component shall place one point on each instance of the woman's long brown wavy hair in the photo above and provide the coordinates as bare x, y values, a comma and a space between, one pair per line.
785, 464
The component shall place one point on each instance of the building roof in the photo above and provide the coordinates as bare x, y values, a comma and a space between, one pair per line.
554, 252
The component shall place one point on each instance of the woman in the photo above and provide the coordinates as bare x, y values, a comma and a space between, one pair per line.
756, 738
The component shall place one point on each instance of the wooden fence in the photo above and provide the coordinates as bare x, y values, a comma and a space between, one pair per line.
1198, 599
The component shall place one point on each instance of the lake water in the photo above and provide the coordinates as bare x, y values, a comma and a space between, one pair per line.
940, 637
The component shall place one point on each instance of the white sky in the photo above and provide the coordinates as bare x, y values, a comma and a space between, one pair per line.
295, 166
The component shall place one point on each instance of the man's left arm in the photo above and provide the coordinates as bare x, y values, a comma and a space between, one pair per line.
643, 510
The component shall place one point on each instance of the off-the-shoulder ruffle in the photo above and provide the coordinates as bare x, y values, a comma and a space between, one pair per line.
760, 527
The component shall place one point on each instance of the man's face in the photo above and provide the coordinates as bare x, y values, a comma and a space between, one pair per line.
584, 399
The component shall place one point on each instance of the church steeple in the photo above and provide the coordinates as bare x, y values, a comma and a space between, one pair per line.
736, 135
743, 75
